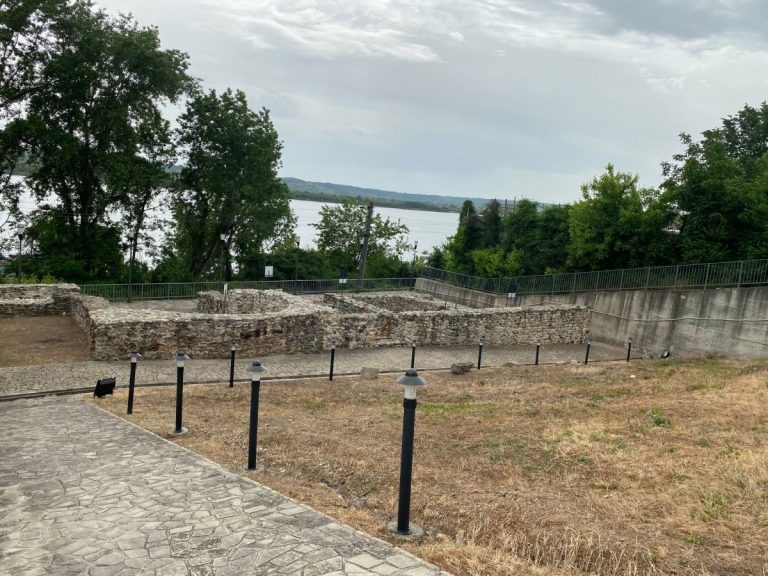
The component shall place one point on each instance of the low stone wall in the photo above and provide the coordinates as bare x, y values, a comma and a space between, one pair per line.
349, 305
304, 326
404, 302
36, 299
499, 326
210, 302
251, 302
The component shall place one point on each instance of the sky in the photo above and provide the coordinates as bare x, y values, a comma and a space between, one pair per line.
487, 98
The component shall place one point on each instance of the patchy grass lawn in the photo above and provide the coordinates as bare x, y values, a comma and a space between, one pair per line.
658, 467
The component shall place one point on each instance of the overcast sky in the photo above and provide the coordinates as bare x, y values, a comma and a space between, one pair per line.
487, 98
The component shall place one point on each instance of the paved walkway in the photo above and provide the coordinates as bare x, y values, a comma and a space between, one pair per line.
19, 380
83, 492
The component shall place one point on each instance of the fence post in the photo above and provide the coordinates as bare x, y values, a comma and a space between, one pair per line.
552, 292
573, 287
647, 278
677, 273
621, 280
706, 277
741, 269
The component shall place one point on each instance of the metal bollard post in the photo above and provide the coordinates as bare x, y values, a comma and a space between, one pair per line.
629, 348
132, 380
538, 347
232, 350
181, 357
411, 380
413, 354
333, 357
586, 357
479, 353
256, 370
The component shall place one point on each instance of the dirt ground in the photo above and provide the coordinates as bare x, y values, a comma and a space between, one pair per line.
41, 340
624, 469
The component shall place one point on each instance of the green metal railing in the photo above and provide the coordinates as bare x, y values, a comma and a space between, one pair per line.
189, 290
683, 276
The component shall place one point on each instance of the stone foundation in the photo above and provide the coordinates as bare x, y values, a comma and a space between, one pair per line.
302, 326
37, 299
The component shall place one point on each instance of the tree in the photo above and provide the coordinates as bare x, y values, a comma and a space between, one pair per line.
490, 224
617, 225
95, 109
519, 232
718, 190
229, 185
341, 231
468, 237
552, 240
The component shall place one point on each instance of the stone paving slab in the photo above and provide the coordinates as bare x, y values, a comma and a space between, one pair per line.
83, 492
18, 380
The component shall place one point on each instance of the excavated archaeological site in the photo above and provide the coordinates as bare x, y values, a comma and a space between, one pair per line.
271, 321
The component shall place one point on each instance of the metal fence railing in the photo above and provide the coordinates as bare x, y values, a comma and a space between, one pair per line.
682, 276
189, 290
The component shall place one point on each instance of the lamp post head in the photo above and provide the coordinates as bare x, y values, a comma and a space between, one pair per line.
538, 341
234, 346
181, 357
256, 370
135, 356
333, 345
411, 380
629, 340
482, 340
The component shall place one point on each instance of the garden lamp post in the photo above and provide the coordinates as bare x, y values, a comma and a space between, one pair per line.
18, 257
538, 347
411, 381
256, 370
181, 357
629, 348
223, 238
296, 261
232, 351
132, 380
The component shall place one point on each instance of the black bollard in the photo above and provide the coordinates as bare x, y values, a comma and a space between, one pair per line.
333, 357
586, 357
538, 347
479, 353
411, 380
256, 370
629, 348
413, 354
132, 380
181, 357
232, 351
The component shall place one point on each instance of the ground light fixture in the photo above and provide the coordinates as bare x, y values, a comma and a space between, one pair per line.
232, 351
629, 348
132, 380
480, 351
538, 347
256, 369
181, 358
402, 526
333, 357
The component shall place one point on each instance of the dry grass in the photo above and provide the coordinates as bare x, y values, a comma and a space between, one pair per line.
522, 470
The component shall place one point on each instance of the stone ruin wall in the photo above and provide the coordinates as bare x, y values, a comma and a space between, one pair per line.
37, 299
307, 327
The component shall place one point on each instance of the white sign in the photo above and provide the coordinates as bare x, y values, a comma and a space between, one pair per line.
269, 271
342, 280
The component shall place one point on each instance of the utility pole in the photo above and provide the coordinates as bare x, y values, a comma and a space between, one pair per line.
366, 239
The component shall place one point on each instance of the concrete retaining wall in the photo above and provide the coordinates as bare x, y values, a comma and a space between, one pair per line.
729, 321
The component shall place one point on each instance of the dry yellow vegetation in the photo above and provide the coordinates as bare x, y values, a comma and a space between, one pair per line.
654, 467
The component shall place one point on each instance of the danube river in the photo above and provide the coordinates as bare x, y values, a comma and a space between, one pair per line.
429, 229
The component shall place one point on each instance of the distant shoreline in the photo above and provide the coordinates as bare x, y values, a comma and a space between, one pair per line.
381, 202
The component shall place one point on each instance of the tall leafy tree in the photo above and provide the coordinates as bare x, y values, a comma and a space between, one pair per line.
552, 240
490, 223
229, 184
718, 190
519, 232
617, 225
341, 231
96, 108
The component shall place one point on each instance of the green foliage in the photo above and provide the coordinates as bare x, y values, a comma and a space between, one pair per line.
229, 185
617, 224
494, 263
340, 236
718, 189
658, 419
94, 110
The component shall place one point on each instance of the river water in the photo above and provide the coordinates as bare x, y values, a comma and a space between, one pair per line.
429, 229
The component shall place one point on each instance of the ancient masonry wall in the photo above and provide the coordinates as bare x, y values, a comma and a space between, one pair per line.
303, 326
37, 299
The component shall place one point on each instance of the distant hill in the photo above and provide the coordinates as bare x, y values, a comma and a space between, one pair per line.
329, 192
